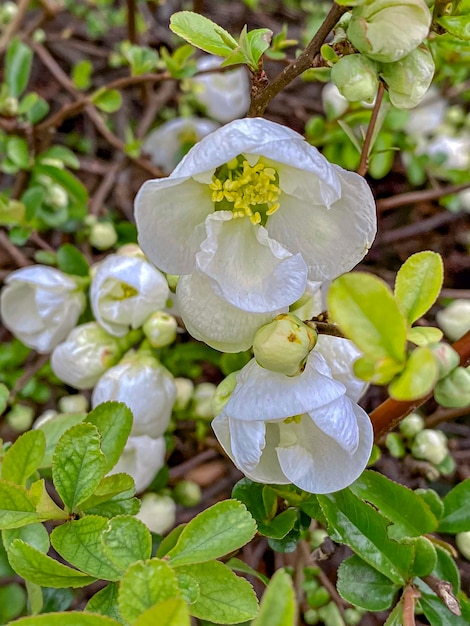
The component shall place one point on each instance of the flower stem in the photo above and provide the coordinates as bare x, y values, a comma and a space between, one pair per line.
364, 162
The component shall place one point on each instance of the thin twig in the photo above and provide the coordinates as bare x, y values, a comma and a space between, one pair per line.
364, 161
413, 197
16, 255
418, 228
14, 25
131, 26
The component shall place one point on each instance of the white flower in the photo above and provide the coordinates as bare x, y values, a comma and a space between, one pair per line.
304, 429
85, 355
125, 291
166, 144
148, 389
158, 513
40, 305
455, 319
427, 116
225, 95
142, 458
255, 211
456, 150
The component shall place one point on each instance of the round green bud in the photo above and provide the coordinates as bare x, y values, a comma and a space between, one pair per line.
409, 79
447, 358
463, 543
411, 425
7, 12
202, 400
447, 466
454, 320
103, 235
395, 445
57, 197
76, 403
20, 417
430, 445
184, 393
283, 345
187, 493
311, 617
352, 617
356, 78
160, 329
317, 537
9, 106
453, 391
223, 393
318, 598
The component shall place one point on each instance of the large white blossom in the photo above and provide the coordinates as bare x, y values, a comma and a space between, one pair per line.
125, 290
148, 389
306, 429
142, 458
40, 305
250, 214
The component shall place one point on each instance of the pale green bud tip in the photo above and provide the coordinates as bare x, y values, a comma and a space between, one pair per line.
453, 391
76, 403
157, 512
447, 358
103, 235
57, 196
202, 400
395, 445
20, 417
184, 393
9, 106
463, 543
284, 344
411, 425
187, 493
223, 393
430, 445
454, 320
355, 76
160, 329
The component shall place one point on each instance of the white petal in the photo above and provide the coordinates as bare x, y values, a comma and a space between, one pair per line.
338, 421
213, 320
331, 241
340, 354
43, 276
268, 396
142, 458
170, 214
247, 442
316, 463
251, 271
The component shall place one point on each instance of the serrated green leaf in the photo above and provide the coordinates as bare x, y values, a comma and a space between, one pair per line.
455, 518
409, 514
24, 457
144, 584
79, 543
71, 261
367, 313
358, 525
418, 284
251, 47
39, 568
170, 541
278, 606
425, 557
110, 487
114, 422
107, 100
54, 429
105, 602
71, 618
433, 501
259, 499
171, 612
457, 25
16, 507
417, 378
363, 586
68, 181
224, 598
34, 535
126, 540
46, 508
78, 464
18, 67
424, 335
202, 33
279, 526
240, 566
222, 528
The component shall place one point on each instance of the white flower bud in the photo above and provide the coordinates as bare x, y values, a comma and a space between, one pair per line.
20, 417
160, 329
9, 106
184, 393
284, 344
76, 403
141, 382
223, 393
202, 400
333, 100
7, 12
131, 250
142, 458
187, 493
463, 543
409, 79
430, 445
85, 355
428, 114
158, 513
453, 391
103, 235
411, 425
57, 197
40, 305
454, 320
356, 78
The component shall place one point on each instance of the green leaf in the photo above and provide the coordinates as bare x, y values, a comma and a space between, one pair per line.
455, 518
126, 540
79, 543
16, 507
418, 284
78, 464
436, 611
367, 313
71, 261
68, 181
409, 514
202, 33
224, 598
107, 100
71, 618
171, 612
425, 557
4, 395
424, 335
105, 602
54, 429
278, 606
18, 67
433, 501
18, 152
240, 566
170, 541
24, 457
35, 535
260, 500
46, 508
62, 154
365, 587
221, 529
251, 47
12, 602
279, 526
417, 378
144, 584
457, 25
81, 74
39, 568
114, 422
364, 529
110, 487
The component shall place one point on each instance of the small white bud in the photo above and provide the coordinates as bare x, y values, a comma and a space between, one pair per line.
463, 543
184, 393
57, 197
76, 403
202, 400
103, 235
9, 107
160, 329
454, 320
131, 250
430, 445
158, 513
20, 417
187, 493
411, 425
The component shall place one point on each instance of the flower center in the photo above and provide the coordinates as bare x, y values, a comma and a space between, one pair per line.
122, 291
295, 419
246, 190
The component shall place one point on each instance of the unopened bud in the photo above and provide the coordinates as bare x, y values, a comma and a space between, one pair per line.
223, 393
202, 400
76, 403
284, 344
453, 391
57, 197
409, 79
131, 250
20, 417
454, 320
157, 513
184, 393
356, 78
9, 107
463, 543
411, 425
430, 445
160, 329
447, 358
187, 493
395, 445
103, 235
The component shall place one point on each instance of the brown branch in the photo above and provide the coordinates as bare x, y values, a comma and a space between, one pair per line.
413, 197
388, 414
303, 62
131, 25
364, 161
16, 255
418, 228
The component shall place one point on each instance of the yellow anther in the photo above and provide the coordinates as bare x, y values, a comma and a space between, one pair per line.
296, 419
272, 209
